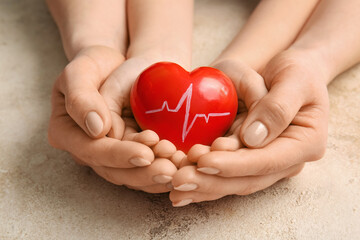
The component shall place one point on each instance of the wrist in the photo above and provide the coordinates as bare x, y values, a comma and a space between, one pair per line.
75, 43
228, 62
245, 59
101, 56
179, 55
316, 56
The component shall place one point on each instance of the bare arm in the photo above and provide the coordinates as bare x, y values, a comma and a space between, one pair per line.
332, 35
84, 23
163, 29
271, 28
93, 89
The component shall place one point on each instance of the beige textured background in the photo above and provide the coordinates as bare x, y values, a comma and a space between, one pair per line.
44, 195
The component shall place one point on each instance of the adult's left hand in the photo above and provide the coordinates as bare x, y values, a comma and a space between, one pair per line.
283, 129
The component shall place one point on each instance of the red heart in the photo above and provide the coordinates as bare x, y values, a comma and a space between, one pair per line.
184, 108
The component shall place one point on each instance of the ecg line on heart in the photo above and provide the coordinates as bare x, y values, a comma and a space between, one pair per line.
187, 96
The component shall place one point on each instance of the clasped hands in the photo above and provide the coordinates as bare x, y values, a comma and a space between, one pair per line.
281, 124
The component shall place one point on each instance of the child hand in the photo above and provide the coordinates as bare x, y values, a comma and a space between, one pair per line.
80, 111
116, 92
291, 129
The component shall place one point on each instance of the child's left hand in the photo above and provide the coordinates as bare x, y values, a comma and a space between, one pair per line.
116, 92
294, 114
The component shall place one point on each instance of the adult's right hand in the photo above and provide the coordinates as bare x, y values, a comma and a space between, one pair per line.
81, 123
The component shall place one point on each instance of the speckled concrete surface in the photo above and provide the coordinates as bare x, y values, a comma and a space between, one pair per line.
45, 195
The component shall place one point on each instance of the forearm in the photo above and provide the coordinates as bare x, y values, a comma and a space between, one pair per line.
84, 23
271, 28
161, 28
332, 36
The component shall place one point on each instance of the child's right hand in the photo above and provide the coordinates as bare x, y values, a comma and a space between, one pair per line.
88, 121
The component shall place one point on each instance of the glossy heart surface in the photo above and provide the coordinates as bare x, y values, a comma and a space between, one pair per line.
184, 107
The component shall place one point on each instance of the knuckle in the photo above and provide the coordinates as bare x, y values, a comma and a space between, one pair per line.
73, 100
190, 174
213, 160
315, 144
68, 70
185, 175
319, 151
277, 112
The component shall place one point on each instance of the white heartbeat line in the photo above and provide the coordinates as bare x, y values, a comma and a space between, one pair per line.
187, 96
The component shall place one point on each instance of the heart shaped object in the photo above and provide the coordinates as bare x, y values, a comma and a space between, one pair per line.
184, 108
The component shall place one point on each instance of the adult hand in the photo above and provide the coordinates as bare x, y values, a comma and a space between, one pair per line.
283, 129
86, 121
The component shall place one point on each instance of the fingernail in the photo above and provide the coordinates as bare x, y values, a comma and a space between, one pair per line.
255, 134
209, 170
170, 186
94, 123
182, 203
139, 162
186, 187
162, 178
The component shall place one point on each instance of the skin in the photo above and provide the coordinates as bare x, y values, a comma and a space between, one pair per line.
295, 111
91, 115
289, 97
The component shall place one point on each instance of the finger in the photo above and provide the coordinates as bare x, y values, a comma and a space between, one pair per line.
249, 84
177, 157
292, 148
118, 127
275, 111
65, 134
116, 94
230, 143
80, 82
197, 151
188, 179
123, 128
147, 137
185, 162
159, 172
131, 125
235, 127
181, 199
164, 149
130, 129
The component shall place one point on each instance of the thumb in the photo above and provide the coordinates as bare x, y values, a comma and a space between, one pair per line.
249, 85
79, 83
116, 93
270, 116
